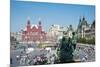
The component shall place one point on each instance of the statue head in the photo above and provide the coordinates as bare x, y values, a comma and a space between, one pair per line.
73, 33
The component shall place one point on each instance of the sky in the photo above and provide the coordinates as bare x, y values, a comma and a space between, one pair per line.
50, 13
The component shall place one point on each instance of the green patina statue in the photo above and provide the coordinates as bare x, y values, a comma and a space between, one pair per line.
74, 40
66, 47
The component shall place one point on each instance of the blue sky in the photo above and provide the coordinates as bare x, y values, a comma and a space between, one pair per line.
50, 13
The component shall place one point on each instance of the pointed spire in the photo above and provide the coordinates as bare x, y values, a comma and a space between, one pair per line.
80, 19
39, 21
83, 18
28, 20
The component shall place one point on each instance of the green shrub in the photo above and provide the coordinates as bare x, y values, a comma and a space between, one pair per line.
86, 41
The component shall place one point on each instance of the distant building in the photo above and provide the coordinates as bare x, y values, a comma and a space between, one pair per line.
57, 32
53, 32
70, 31
55, 29
16, 35
84, 29
33, 33
90, 33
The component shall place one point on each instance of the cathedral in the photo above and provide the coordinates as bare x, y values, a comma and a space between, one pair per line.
85, 29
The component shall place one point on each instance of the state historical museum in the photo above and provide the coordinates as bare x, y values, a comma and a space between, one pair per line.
33, 33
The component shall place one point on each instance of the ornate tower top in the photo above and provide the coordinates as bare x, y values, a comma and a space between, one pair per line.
28, 26
80, 19
83, 18
39, 21
28, 20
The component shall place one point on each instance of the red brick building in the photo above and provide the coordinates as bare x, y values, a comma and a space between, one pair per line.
33, 33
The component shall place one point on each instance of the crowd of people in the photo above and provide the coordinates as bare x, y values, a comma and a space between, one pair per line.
85, 53
67, 51
29, 59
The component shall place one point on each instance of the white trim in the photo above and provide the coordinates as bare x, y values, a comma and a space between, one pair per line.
84, 2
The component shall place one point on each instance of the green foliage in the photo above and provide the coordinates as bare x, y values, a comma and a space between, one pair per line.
86, 41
